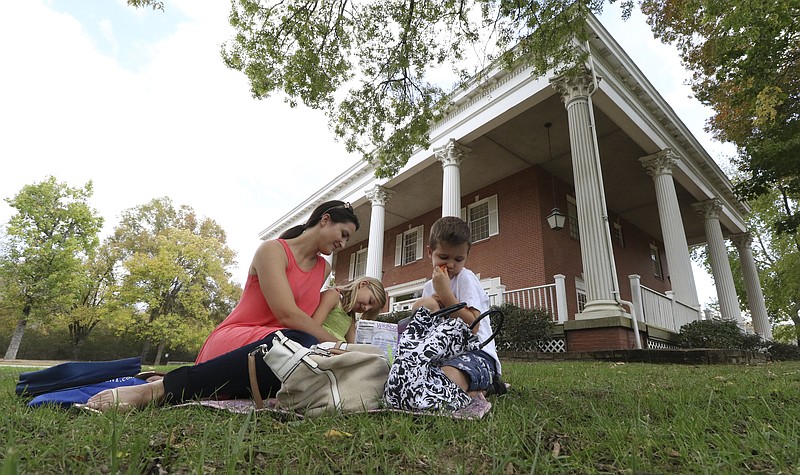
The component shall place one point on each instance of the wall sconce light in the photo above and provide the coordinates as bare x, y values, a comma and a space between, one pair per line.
556, 219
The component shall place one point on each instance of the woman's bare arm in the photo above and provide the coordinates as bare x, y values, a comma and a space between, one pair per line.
270, 264
327, 302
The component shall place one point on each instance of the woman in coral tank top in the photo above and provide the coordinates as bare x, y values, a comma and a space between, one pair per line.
281, 293
283, 284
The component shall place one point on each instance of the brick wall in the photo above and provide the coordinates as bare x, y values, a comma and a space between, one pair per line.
594, 339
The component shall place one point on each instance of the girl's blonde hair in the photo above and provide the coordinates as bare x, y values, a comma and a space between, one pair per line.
349, 291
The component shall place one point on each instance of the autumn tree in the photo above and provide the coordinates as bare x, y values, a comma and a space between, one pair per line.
45, 242
745, 62
176, 274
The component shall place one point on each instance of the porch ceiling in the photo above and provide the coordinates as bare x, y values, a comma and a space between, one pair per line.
521, 142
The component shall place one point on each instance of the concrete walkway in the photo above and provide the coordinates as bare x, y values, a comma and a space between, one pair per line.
30, 363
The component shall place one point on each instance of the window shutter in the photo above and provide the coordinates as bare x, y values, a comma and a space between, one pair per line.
398, 250
464, 215
494, 227
352, 273
420, 241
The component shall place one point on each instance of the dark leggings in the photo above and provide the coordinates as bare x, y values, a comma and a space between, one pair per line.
226, 376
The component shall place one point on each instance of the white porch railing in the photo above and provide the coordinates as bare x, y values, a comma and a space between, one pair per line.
661, 310
651, 307
550, 297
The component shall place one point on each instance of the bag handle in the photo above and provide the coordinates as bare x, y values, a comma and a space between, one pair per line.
251, 369
494, 311
499, 326
450, 309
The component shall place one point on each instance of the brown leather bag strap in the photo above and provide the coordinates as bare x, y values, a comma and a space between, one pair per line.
251, 368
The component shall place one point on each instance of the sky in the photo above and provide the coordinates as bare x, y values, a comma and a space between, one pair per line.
140, 103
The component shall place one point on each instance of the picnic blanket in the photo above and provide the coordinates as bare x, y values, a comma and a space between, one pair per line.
476, 409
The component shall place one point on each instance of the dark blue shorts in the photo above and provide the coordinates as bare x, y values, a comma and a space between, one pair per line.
478, 366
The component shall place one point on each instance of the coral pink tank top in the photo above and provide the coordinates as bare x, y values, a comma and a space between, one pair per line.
252, 319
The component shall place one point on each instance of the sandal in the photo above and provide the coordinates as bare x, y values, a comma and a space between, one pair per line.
115, 405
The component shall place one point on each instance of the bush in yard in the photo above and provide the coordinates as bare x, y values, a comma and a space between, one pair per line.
523, 328
717, 334
783, 352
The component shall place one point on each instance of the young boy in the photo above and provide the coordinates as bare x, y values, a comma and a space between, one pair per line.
451, 283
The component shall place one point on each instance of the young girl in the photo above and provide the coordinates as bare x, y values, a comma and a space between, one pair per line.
338, 306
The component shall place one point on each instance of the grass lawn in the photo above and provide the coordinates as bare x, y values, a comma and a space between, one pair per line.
559, 417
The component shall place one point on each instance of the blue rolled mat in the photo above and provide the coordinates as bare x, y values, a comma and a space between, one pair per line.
75, 374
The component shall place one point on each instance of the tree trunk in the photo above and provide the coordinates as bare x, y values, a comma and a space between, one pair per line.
76, 350
159, 352
145, 350
16, 339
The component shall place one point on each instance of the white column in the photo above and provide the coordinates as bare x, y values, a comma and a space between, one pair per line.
378, 196
718, 257
561, 297
660, 166
752, 285
451, 156
598, 261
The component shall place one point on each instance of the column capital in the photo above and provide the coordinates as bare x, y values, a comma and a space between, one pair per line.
708, 209
742, 240
573, 86
379, 195
452, 153
660, 163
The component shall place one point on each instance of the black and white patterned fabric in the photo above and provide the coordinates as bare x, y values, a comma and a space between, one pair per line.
416, 380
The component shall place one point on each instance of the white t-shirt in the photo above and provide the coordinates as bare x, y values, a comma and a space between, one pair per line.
467, 288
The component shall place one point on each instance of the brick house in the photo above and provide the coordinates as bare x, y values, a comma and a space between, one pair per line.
603, 151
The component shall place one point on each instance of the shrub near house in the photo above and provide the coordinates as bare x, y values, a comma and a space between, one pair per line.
717, 334
726, 334
523, 328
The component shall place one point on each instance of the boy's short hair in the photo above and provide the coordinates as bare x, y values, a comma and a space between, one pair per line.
450, 229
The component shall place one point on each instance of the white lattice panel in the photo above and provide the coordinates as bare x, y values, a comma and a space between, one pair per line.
660, 345
555, 345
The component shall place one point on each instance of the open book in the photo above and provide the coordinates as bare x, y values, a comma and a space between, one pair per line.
381, 334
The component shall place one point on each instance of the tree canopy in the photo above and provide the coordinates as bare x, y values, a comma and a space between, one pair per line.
376, 67
176, 273
777, 256
46, 241
745, 61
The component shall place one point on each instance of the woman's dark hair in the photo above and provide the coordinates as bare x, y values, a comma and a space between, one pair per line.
339, 211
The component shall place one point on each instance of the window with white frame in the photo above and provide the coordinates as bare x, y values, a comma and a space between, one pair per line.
572, 216
409, 246
580, 291
358, 264
655, 258
399, 303
617, 234
403, 296
482, 218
